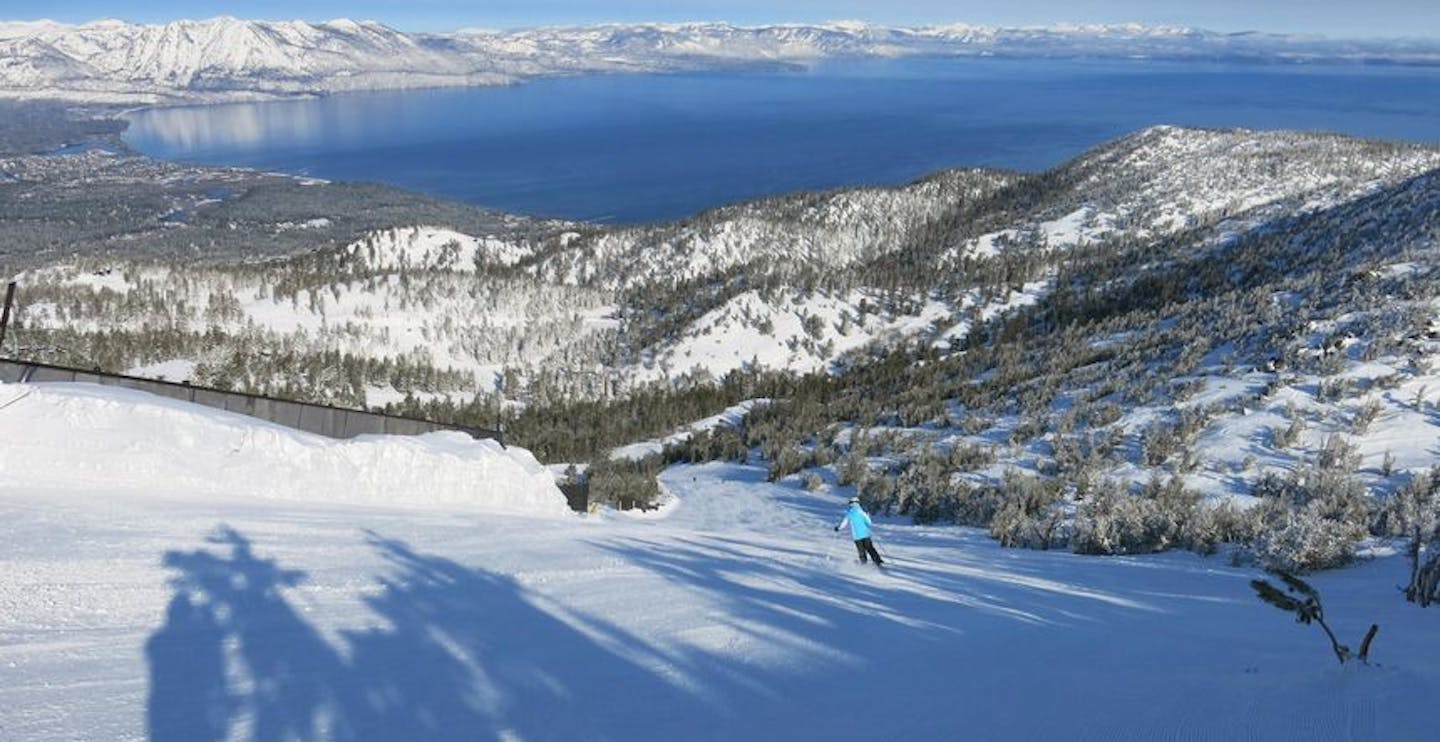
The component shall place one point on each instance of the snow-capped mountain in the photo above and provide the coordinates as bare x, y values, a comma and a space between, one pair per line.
218, 58
227, 58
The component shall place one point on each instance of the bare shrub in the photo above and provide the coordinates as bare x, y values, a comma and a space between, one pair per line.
1301, 599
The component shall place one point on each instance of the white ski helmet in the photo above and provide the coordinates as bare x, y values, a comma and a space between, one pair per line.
854, 501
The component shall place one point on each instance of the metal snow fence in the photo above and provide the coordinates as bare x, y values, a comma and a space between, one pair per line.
326, 420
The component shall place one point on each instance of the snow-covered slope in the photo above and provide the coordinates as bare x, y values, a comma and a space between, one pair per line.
1200, 187
1153, 183
1165, 180
130, 612
429, 248
230, 58
822, 231
794, 331
408, 295
1255, 361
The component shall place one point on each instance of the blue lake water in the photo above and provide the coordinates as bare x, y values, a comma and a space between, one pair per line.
636, 148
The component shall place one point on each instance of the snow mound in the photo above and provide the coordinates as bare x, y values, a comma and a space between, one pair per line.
81, 436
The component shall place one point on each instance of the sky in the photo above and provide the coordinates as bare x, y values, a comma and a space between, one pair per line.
1336, 18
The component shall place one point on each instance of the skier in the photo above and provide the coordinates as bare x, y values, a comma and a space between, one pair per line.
860, 530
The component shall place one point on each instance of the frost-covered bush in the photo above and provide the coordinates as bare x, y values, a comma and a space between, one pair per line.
852, 468
1302, 539
824, 455
1282, 438
1329, 484
964, 456
1029, 513
1311, 519
1333, 390
1211, 525
929, 493
1414, 514
1158, 443
1103, 414
1113, 521
1365, 414
941, 505
921, 485
1110, 521
877, 491
1329, 494
1424, 587
785, 461
1027, 430
1337, 454
1015, 526
975, 424
972, 505
626, 484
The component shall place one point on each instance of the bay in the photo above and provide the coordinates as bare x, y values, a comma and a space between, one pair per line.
648, 147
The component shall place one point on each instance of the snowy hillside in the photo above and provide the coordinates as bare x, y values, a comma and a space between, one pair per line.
427, 248
802, 283
821, 231
417, 310
1165, 180
1267, 384
226, 58
155, 603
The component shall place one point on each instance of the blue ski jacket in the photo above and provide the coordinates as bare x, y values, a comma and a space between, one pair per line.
858, 520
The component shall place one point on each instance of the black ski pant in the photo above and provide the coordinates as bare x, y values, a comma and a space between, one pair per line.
866, 546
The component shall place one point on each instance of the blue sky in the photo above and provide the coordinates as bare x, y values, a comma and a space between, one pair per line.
1329, 17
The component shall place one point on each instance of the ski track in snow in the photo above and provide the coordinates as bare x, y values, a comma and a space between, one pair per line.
735, 613
740, 613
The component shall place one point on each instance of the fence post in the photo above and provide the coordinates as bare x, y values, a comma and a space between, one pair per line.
5, 316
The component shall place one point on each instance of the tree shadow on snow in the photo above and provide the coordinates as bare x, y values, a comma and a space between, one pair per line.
823, 607
457, 653
232, 644
843, 634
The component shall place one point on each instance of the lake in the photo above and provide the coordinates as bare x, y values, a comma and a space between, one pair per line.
637, 148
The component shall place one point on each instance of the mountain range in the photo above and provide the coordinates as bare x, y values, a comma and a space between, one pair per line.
231, 59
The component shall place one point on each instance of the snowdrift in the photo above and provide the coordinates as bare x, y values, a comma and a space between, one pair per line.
81, 436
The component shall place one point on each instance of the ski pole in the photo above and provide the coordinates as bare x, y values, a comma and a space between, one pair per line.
884, 554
